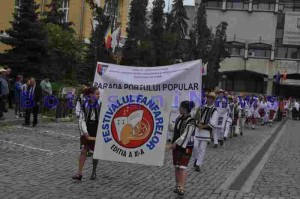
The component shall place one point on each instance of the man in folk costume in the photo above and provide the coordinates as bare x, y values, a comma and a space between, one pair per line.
241, 114
228, 125
206, 118
222, 111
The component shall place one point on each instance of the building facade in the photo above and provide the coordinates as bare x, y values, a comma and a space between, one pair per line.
263, 38
76, 11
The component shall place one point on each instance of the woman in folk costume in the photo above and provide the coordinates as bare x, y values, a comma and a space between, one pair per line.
182, 144
254, 112
264, 111
205, 121
88, 123
222, 111
273, 107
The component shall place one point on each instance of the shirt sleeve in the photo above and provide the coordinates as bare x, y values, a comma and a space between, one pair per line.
78, 109
82, 123
184, 139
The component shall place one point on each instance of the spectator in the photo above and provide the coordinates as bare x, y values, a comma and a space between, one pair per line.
46, 90
34, 95
23, 91
9, 97
17, 95
3, 91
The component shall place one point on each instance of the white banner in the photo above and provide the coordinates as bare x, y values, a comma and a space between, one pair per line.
136, 106
292, 28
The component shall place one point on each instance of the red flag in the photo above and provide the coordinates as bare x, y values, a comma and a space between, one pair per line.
284, 77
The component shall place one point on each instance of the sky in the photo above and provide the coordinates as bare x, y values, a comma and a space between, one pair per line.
169, 2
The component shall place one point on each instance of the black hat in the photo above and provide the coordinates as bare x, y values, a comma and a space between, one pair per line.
188, 105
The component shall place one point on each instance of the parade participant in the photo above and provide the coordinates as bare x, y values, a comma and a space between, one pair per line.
205, 124
228, 125
182, 144
241, 114
296, 110
254, 113
81, 99
222, 111
263, 111
17, 95
88, 123
273, 108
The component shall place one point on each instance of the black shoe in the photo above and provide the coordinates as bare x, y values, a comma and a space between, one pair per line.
181, 192
221, 142
33, 125
25, 124
235, 135
77, 177
241, 133
176, 189
197, 168
225, 138
215, 146
93, 177
5, 111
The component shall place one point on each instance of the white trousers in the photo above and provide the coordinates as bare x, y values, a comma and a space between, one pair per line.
228, 127
218, 134
199, 151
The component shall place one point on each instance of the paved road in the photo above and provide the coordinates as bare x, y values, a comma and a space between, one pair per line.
281, 174
39, 162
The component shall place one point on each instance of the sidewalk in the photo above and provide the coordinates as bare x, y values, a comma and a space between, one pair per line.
10, 119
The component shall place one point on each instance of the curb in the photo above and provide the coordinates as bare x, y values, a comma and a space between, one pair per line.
11, 122
247, 187
233, 176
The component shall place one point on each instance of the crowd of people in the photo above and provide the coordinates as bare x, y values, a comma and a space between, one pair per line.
222, 116
15, 92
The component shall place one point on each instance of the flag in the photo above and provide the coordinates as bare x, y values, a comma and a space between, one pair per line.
204, 69
108, 38
278, 77
115, 38
284, 77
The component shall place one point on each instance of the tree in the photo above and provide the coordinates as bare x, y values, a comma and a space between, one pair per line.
200, 36
136, 45
96, 50
178, 29
217, 55
27, 39
55, 15
157, 33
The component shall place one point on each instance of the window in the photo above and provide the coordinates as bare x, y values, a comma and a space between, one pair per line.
236, 48
239, 5
260, 50
264, 5
214, 4
287, 52
280, 21
17, 6
279, 33
65, 10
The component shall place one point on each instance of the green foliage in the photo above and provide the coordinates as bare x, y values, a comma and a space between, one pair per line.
137, 30
65, 42
157, 31
55, 15
177, 26
28, 41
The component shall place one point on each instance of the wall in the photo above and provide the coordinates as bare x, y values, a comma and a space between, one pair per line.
246, 26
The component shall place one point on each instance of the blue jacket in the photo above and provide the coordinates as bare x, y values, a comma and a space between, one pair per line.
17, 89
